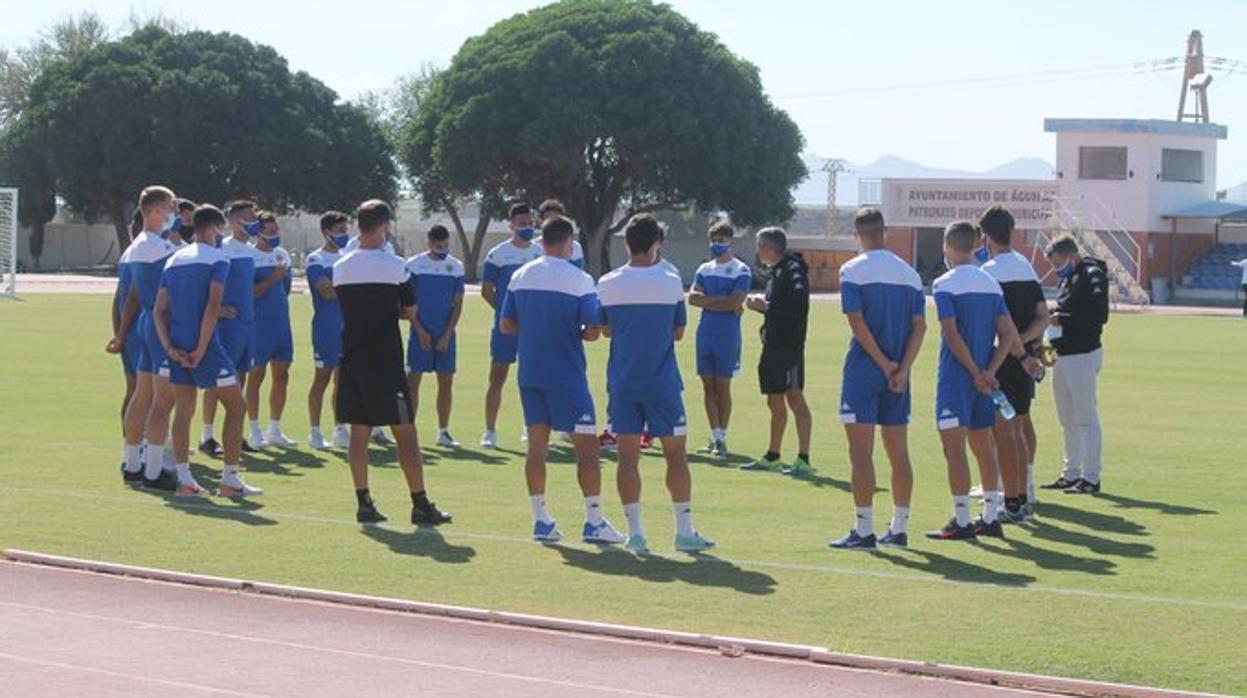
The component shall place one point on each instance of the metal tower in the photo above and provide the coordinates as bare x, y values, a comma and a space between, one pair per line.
832, 167
1194, 79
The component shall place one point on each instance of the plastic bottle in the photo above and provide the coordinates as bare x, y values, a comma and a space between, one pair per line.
1002, 404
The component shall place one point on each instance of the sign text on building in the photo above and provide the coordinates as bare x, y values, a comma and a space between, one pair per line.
934, 203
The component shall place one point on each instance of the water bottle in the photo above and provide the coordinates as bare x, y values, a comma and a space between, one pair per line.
1002, 404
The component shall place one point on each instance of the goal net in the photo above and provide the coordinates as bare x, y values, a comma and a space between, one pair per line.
8, 243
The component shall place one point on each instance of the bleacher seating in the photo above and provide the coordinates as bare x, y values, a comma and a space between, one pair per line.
1213, 270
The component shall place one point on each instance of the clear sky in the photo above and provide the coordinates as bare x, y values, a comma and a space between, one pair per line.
862, 79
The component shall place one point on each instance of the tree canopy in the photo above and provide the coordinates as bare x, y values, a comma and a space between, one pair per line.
613, 106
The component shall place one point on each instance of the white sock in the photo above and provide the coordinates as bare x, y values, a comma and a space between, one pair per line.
316, 431
185, 478
900, 520
961, 509
719, 434
632, 512
442, 431
864, 521
134, 462
168, 462
154, 461
991, 505
229, 473
539, 508
683, 518
593, 510
207, 433
1030, 482
339, 427
255, 427
274, 426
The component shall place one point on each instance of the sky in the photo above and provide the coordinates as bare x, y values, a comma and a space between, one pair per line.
961, 84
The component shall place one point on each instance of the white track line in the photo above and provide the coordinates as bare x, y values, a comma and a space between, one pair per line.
771, 564
128, 677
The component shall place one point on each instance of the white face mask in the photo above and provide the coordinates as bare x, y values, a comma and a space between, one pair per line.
171, 220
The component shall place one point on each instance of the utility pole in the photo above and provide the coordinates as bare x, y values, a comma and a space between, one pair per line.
832, 167
1194, 79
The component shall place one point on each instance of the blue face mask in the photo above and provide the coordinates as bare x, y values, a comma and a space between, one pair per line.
438, 255
718, 249
981, 255
527, 234
340, 241
253, 228
272, 242
219, 239
1065, 270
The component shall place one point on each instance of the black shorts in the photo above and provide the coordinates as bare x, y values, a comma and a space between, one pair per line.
1017, 385
375, 398
781, 371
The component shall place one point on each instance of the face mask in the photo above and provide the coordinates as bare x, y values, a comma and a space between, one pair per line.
273, 242
527, 234
981, 255
172, 221
219, 239
253, 228
1065, 270
340, 241
718, 249
438, 254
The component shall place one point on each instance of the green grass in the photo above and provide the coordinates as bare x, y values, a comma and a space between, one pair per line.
1142, 585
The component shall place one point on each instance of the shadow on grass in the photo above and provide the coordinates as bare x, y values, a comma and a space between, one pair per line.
1161, 507
1048, 559
1096, 544
1097, 521
700, 570
731, 461
421, 542
952, 569
466, 454
243, 510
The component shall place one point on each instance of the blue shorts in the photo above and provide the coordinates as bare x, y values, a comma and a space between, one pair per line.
718, 355
326, 346
960, 405
503, 347
562, 409
132, 349
151, 352
238, 339
214, 370
661, 417
273, 343
865, 399
431, 361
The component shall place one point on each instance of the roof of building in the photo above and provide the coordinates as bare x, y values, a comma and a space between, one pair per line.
1219, 210
1159, 126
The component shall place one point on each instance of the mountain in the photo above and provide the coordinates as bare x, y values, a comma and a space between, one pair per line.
814, 189
1238, 192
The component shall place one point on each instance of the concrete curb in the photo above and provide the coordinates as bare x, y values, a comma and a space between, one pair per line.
727, 645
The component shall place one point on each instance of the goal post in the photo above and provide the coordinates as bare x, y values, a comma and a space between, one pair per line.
8, 243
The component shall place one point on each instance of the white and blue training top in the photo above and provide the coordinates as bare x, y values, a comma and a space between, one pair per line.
642, 306
187, 279
553, 301
888, 294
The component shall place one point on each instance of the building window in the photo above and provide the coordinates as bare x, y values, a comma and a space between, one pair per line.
1101, 163
1181, 165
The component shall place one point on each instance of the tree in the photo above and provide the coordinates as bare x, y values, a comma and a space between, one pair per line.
211, 114
613, 106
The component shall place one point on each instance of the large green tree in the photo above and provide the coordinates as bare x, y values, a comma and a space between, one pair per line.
211, 114
613, 106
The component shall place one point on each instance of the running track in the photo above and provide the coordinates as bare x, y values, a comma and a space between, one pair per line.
64, 632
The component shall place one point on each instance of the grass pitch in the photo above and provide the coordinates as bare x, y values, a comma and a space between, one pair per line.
1143, 584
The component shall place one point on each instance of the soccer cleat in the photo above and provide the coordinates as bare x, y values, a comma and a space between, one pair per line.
1059, 484
601, 532
235, 488
426, 513
991, 530
248, 448
210, 448
647, 440
165, 482
341, 438
382, 437
445, 440
369, 515
607, 440
192, 490
720, 448
854, 541
1084, 487
1028, 512
894, 540
637, 544
489, 439
547, 532
711, 448
1005, 516
764, 464
799, 468
951, 531
316, 441
692, 544
133, 479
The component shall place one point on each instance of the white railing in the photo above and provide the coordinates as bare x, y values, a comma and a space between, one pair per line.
1099, 231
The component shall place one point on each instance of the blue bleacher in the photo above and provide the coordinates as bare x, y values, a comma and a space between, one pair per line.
1213, 270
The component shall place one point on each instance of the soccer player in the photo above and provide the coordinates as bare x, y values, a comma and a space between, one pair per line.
882, 298
1024, 299
326, 327
553, 208
374, 294
551, 308
973, 317
237, 325
188, 306
126, 342
142, 263
643, 313
719, 289
500, 263
274, 342
781, 369
437, 281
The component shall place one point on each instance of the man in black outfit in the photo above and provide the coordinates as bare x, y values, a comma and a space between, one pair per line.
781, 370
374, 294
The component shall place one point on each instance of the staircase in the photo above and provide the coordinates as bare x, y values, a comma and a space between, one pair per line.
1099, 233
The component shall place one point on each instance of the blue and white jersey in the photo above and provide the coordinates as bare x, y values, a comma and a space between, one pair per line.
642, 306
353, 244
666, 265
273, 307
326, 313
435, 283
721, 280
240, 286
188, 277
974, 298
552, 301
142, 264
500, 263
578, 253
888, 294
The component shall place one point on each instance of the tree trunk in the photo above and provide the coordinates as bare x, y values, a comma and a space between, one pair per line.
121, 226
473, 255
38, 232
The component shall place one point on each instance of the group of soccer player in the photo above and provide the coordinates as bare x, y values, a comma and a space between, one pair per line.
202, 305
